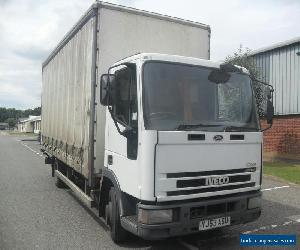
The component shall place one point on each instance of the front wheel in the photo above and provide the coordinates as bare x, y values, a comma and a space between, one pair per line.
117, 232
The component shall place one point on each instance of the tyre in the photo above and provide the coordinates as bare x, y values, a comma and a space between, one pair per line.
59, 183
112, 214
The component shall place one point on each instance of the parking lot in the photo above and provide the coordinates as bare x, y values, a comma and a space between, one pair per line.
34, 214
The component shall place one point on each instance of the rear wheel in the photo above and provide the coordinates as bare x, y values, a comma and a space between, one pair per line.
59, 183
112, 216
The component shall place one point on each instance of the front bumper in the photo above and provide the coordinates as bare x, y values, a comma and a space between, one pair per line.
189, 214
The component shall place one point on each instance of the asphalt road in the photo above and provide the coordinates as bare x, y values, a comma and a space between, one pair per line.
34, 214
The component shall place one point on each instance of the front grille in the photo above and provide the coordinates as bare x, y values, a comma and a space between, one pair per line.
197, 212
210, 189
201, 182
212, 172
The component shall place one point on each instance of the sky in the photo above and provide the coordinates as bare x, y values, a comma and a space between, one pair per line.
30, 29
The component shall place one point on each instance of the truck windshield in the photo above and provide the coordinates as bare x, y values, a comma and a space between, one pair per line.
180, 97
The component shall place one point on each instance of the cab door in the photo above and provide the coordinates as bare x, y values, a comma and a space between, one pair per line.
121, 153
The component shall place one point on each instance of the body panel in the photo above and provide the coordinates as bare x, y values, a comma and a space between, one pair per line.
66, 97
68, 80
124, 32
176, 154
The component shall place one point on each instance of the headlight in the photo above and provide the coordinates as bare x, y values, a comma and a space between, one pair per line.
155, 216
254, 202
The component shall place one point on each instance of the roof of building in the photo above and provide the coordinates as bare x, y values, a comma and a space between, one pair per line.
3, 124
276, 46
31, 118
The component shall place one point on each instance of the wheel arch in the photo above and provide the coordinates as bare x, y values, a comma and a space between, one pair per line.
127, 203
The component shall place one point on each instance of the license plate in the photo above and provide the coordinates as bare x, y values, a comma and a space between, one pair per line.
214, 223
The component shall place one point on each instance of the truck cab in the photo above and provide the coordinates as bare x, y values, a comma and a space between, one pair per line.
183, 146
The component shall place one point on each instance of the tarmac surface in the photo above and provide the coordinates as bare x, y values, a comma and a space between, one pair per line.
34, 214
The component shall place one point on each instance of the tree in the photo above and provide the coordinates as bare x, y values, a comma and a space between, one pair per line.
11, 122
243, 58
6, 113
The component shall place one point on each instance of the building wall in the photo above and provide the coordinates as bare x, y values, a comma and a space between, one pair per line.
30, 125
21, 127
37, 126
283, 139
280, 67
27, 127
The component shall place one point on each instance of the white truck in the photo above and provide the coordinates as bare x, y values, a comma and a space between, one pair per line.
143, 127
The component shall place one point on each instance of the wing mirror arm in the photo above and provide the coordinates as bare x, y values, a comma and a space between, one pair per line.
127, 131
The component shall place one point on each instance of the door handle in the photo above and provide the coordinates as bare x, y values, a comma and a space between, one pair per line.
109, 159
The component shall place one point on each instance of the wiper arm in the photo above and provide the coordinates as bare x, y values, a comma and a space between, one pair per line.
191, 126
238, 129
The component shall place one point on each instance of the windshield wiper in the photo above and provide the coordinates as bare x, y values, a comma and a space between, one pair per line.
191, 126
238, 129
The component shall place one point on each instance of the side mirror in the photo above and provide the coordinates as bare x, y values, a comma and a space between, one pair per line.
107, 89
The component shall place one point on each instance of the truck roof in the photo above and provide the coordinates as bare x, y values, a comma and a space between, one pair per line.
151, 14
92, 11
170, 58
175, 59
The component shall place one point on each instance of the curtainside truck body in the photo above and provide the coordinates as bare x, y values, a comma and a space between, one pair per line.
143, 127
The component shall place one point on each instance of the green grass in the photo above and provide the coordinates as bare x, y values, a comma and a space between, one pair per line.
283, 170
20, 133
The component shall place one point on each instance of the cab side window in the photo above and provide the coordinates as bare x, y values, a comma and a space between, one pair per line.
121, 110
125, 108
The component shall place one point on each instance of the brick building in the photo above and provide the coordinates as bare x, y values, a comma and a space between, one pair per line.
279, 65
